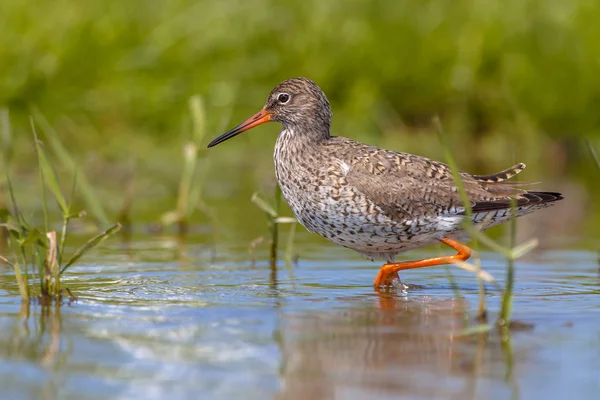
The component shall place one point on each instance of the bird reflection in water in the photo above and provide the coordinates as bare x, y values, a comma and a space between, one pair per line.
393, 345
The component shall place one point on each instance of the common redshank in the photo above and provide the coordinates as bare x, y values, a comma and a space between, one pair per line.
377, 202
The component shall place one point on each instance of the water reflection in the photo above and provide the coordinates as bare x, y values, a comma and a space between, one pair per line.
32, 349
35, 336
388, 346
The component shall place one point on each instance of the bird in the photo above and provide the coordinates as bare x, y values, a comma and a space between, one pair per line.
378, 202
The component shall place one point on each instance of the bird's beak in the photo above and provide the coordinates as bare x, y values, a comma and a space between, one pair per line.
257, 119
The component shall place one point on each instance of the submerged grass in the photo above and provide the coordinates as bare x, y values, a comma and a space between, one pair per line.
481, 310
40, 248
511, 252
273, 221
507, 298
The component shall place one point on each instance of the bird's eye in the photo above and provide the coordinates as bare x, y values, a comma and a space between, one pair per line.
283, 98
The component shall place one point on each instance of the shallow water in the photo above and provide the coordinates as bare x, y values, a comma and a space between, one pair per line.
157, 317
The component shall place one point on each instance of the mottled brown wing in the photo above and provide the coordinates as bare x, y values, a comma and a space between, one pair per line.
406, 186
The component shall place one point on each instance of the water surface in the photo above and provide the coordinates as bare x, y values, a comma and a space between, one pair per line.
158, 317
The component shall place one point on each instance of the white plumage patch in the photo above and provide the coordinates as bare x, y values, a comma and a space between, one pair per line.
448, 223
345, 167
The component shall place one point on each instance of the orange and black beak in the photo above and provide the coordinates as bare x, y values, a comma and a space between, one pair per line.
257, 119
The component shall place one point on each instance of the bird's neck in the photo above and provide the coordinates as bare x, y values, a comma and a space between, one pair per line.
296, 145
299, 138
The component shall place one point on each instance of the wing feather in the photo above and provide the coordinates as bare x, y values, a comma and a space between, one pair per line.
406, 186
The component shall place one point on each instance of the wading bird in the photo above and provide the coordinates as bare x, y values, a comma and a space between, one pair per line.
377, 202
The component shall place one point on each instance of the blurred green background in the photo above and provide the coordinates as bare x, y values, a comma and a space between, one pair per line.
512, 80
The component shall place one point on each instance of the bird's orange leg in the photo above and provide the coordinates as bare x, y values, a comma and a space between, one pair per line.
389, 271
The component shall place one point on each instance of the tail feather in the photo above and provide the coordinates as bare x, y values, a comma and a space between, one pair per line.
526, 199
502, 175
543, 197
503, 193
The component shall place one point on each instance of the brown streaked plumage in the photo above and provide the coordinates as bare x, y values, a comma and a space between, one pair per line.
375, 201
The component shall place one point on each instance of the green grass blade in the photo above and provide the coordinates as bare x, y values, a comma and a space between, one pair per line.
189, 193
20, 222
11, 228
458, 296
52, 265
274, 232
66, 218
277, 199
89, 196
481, 328
198, 113
486, 241
47, 175
523, 249
507, 297
190, 152
35, 236
467, 222
454, 168
285, 220
21, 283
5, 137
593, 153
263, 205
480, 272
289, 248
93, 242
200, 177
6, 261
507, 351
194, 198
42, 270
21, 231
